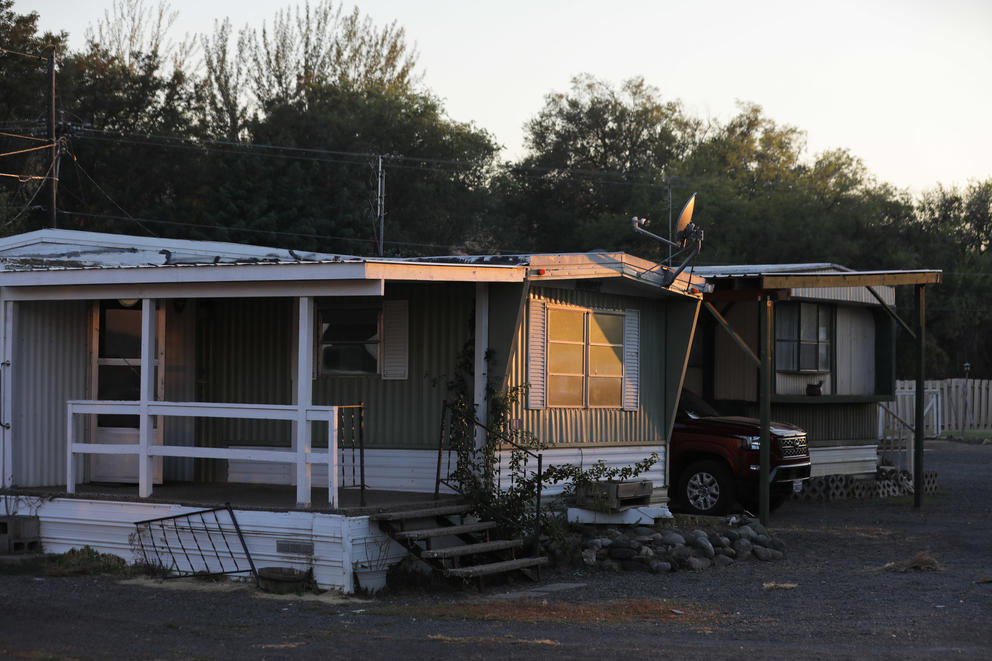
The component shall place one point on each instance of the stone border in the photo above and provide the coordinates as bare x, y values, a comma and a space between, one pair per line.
660, 549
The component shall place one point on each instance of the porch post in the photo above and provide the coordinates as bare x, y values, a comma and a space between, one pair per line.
481, 369
145, 431
6, 406
765, 406
919, 432
304, 400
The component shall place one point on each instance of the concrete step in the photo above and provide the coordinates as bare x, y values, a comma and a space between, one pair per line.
427, 533
469, 549
496, 567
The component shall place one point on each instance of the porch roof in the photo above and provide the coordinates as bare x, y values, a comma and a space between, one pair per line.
59, 263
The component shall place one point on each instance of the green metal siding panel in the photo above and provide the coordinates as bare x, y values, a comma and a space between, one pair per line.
407, 413
246, 354
830, 424
602, 426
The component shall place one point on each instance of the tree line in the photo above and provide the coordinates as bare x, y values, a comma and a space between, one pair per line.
282, 135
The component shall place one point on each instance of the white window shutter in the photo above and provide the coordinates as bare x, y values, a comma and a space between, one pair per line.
631, 359
395, 340
537, 329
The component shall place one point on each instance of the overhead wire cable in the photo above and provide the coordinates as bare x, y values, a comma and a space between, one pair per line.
24, 151
75, 162
304, 235
23, 177
34, 195
14, 52
24, 137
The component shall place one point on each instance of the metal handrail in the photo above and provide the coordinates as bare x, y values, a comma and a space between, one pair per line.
446, 411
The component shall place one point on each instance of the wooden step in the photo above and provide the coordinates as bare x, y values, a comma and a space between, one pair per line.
427, 512
426, 533
496, 567
469, 549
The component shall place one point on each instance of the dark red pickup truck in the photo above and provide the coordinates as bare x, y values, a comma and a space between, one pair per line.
715, 459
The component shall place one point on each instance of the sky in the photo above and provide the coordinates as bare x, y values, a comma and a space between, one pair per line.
902, 84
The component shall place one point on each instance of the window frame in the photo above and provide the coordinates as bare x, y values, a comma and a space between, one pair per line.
320, 371
587, 345
823, 317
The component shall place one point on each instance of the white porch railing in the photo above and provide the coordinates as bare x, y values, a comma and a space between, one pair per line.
896, 420
302, 454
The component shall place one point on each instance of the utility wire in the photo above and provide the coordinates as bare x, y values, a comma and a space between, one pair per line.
228, 228
23, 151
24, 137
14, 52
23, 177
34, 195
75, 162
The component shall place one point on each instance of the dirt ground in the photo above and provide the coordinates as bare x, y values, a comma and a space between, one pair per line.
830, 598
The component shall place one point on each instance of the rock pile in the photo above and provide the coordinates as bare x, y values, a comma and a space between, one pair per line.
663, 549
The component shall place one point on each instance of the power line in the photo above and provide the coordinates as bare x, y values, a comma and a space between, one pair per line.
228, 228
75, 162
28, 205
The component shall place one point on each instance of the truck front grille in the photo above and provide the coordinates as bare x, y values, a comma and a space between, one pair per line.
793, 446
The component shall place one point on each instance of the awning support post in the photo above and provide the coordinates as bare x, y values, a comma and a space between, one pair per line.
765, 406
921, 315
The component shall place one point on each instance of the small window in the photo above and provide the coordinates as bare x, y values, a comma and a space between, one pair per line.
803, 333
349, 341
585, 358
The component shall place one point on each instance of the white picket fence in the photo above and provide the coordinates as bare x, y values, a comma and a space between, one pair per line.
951, 405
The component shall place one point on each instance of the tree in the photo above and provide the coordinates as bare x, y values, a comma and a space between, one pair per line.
597, 156
312, 48
24, 103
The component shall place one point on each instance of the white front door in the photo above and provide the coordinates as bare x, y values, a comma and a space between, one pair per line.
117, 377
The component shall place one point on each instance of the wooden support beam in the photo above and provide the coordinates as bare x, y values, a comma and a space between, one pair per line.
855, 279
733, 334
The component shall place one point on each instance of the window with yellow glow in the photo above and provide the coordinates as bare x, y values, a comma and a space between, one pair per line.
585, 358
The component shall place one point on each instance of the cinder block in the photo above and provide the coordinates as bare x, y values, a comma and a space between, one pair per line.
20, 534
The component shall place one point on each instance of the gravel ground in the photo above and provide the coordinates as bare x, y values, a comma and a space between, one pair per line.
832, 600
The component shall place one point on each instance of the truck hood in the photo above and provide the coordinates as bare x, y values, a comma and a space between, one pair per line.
742, 426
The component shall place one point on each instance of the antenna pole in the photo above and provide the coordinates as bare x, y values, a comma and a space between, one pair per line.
670, 238
381, 203
52, 136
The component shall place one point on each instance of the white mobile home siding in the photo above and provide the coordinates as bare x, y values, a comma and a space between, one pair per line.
50, 365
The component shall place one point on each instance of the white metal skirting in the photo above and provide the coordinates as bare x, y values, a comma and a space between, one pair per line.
843, 460
343, 547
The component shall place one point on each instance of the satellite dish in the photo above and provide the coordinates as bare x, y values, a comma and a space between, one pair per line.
688, 235
686, 216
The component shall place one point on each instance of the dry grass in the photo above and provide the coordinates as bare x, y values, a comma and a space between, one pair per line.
530, 610
922, 561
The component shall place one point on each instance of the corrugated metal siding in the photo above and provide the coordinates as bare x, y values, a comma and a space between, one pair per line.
846, 294
855, 351
407, 413
50, 367
245, 354
830, 424
792, 383
590, 426
735, 376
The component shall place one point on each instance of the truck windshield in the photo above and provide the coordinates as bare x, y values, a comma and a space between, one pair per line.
693, 406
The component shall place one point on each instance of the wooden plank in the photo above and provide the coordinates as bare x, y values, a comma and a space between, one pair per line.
427, 533
496, 567
423, 513
852, 279
471, 549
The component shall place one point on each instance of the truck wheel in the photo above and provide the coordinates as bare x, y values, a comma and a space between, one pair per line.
706, 487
